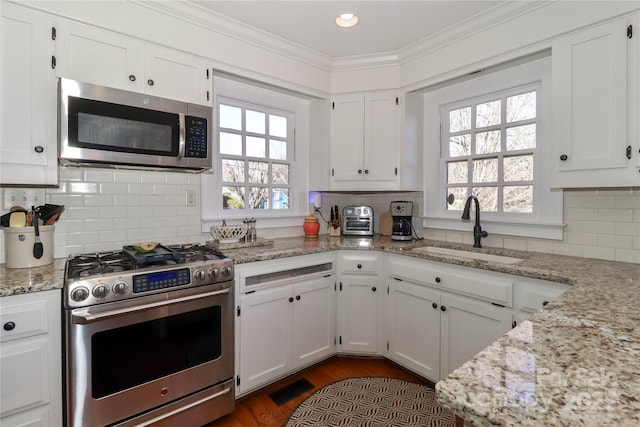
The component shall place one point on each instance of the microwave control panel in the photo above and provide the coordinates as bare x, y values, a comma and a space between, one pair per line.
196, 139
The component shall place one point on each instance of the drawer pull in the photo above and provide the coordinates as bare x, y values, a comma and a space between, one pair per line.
359, 265
545, 303
434, 305
373, 289
443, 308
9, 326
290, 299
438, 280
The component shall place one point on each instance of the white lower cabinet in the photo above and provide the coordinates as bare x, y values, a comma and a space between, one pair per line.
287, 324
432, 327
31, 360
358, 302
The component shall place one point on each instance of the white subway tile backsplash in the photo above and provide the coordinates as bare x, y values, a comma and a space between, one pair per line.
584, 214
616, 215
608, 254
83, 187
615, 241
98, 175
130, 177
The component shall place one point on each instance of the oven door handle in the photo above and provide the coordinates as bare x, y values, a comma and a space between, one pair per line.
184, 408
87, 317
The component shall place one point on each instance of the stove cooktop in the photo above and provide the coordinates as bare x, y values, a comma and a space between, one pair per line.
102, 263
103, 277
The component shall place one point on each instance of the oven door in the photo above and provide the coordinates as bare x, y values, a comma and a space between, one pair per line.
130, 357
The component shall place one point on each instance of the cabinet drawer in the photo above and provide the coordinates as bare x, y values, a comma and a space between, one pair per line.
360, 263
466, 281
532, 297
20, 321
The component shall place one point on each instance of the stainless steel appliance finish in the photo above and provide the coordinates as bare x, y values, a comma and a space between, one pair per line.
401, 213
357, 221
149, 340
103, 126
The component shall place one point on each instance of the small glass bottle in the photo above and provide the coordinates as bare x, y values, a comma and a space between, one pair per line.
252, 230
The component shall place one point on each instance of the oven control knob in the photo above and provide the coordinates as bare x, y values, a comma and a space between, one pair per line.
80, 294
120, 288
213, 272
100, 291
199, 275
226, 271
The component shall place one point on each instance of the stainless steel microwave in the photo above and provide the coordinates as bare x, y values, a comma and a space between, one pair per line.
104, 126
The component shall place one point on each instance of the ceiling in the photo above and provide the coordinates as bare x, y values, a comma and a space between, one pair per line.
384, 26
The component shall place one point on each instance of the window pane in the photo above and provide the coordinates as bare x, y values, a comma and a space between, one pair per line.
232, 170
518, 168
280, 174
233, 197
230, 143
457, 173
488, 114
277, 149
459, 198
460, 145
487, 197
518, 199
485, 170
521, 107
521, 137
255, 121
277, 126
259, 172
460, 119
259, 198
256, 147
280, 198
230, 117
488, 142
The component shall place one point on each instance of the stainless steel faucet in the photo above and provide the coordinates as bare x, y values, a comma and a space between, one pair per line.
477, 230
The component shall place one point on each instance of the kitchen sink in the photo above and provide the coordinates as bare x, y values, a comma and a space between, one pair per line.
468, 254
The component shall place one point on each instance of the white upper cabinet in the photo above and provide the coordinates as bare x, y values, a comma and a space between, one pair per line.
595, 79
28, 137
364, 141
93, 55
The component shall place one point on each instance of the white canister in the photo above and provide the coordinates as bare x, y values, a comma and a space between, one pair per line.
18, 246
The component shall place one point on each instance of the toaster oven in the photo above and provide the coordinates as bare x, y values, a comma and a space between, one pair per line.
357, 221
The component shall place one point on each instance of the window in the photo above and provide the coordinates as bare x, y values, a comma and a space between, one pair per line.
261, 139
489, 135
255, 156
489, 149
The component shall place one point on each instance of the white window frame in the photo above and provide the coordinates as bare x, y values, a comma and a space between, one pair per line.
211, 183
546, 221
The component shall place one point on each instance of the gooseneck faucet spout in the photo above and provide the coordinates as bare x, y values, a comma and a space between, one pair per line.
478, 233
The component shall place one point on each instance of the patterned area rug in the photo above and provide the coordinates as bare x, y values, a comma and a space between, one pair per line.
372, 401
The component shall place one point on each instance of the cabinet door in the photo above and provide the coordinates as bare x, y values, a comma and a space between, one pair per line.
347, 138
590, 70
100, 57
174, 75
28, 141
265, 336
24, 371
414, 332
381, 122
313, 320
467, 327
358, 314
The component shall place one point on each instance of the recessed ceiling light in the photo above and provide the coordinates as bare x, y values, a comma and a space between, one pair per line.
346, 20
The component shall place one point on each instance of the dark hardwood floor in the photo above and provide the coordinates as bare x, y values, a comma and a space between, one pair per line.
258, 410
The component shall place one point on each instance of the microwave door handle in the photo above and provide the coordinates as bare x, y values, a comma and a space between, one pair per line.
183, 135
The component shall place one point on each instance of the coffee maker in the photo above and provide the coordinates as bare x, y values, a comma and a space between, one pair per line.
401, 215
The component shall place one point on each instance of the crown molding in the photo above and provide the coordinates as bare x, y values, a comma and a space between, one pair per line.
229, 27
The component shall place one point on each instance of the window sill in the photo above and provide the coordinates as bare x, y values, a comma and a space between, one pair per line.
519, 229
291, 220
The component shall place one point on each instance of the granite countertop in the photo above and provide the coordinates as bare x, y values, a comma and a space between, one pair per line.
576, 362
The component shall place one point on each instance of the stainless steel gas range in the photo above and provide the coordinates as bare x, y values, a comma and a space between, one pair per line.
148, 337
